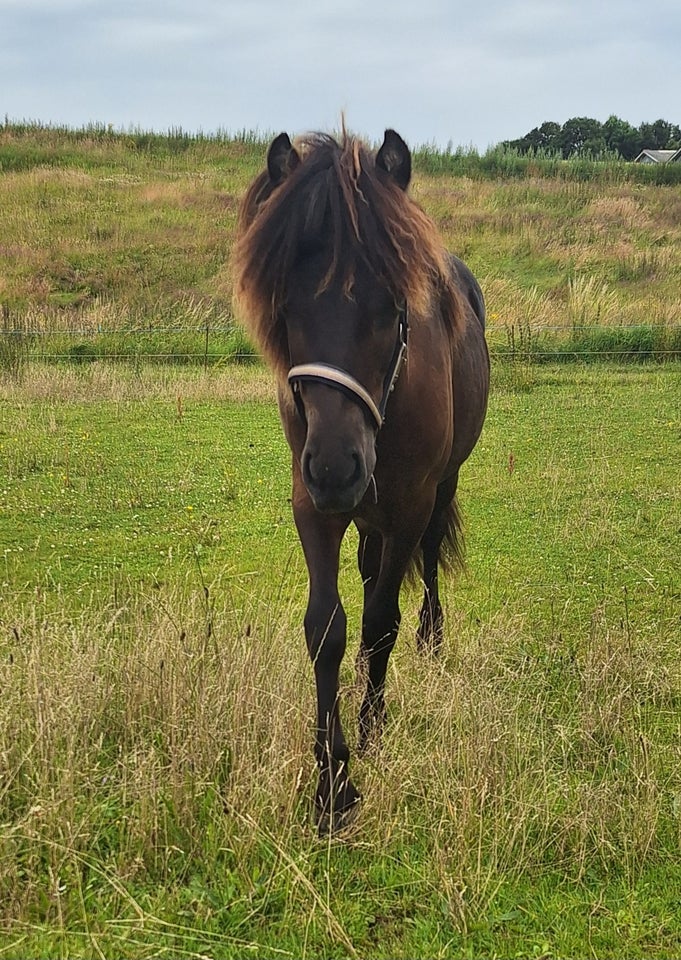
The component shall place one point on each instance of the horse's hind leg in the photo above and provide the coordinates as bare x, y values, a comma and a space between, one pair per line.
369, 562
380, 623
442, 522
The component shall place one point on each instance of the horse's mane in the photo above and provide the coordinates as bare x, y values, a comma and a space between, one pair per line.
336, 199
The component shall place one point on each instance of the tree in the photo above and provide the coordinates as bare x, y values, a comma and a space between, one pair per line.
622, 138
582, 136
544, 137
585, 137
660, 135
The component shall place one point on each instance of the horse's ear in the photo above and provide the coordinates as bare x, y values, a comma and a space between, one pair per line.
282, 159
394, 157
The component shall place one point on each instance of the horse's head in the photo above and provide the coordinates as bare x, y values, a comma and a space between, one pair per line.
329, 252
345, 355
345, 333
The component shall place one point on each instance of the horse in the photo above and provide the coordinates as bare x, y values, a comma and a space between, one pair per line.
376, 337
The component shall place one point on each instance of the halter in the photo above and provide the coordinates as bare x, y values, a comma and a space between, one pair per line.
339, 379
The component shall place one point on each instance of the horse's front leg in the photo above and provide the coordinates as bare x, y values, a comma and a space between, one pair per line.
325, 632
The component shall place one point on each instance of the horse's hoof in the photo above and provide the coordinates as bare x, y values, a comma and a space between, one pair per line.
337, 807
332, 823
429, 644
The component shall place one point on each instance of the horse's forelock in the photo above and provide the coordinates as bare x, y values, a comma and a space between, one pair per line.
336, 198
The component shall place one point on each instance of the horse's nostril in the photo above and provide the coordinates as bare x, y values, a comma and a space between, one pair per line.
357, 469
315, 470
307, 465
338, 473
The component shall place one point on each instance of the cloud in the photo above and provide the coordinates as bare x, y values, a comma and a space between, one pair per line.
437, 70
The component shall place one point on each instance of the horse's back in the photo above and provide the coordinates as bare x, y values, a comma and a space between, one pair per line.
470, 287
471, 366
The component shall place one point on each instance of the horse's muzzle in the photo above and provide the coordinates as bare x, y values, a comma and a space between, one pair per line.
335, 485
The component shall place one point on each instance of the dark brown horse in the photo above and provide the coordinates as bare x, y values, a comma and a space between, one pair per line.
341, 278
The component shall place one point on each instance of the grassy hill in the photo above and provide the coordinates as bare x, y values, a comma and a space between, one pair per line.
108, 236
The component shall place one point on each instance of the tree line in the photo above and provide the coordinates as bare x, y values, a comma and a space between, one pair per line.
585, 137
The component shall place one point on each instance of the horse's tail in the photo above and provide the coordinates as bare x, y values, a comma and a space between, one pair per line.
452, 551
451, 555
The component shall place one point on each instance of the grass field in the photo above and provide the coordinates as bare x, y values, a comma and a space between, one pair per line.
155, 719
156, 702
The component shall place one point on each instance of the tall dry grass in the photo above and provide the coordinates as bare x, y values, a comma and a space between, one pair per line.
129, 733
142, 242
142, 741
97, 382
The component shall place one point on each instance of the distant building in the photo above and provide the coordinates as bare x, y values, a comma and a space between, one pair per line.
658, 156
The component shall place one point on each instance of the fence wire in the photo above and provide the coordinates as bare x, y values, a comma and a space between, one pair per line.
227, 344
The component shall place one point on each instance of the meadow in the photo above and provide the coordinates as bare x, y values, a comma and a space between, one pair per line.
116, 245
156, 702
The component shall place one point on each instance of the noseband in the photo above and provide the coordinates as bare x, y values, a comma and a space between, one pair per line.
339, 379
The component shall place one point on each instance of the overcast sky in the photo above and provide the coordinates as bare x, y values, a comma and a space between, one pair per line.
438, 71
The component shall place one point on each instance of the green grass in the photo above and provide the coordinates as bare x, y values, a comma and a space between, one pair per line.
589, 344
179, 475
506, 163
157, 703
